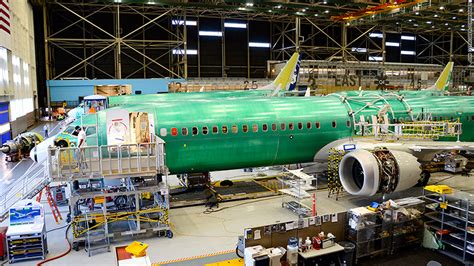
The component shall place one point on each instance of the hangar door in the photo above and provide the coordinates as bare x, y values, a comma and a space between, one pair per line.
4, 123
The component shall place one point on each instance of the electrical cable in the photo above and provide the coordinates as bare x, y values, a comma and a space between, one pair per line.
52, 230
210, 210
62, 254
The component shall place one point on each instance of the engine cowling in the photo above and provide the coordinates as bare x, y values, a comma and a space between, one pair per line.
366, 173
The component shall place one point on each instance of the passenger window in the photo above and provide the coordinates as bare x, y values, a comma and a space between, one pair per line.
348, 123
265, 127
435, 118
163, 132
274, 127
174, 132
91, 131
300, 125
334, 124
245, 128
472, 118
195, 131
282, 126
224, 129
215, 130
205, 130
234, 129
291, 126
184, 131
318, 125
308, 125
255, 128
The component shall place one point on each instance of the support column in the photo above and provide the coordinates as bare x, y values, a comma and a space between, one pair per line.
297, 33
223, 63
451, 39
118, 41
344, 42
47, 57
248, 49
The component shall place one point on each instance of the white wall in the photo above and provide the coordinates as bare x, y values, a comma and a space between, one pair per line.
18, 73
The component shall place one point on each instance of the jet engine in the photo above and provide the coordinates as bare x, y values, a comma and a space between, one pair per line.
366, 173
21, 145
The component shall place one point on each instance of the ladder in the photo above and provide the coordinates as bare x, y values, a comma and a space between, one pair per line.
52, 203
97, 233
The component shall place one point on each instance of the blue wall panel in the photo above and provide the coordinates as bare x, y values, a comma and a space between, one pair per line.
71, 90
4, 118
4, 137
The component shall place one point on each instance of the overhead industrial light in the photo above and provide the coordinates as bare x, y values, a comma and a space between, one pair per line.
235, 25
375, 35
375, 58
181, 22
210, 33
417, 13
316, 15
454, 18
435, 15
441, 8
278, 6
249, 4
359, 50
410, 20
188, 51
259, 44
408, 38
406, 52
446, 24
242, 8
392, 44
461, 10
326, 11
429, 22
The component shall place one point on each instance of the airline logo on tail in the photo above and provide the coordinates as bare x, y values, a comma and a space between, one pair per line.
442, 84
286, 79
294, 75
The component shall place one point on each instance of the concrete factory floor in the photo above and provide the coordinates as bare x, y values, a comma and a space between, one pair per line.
196, 233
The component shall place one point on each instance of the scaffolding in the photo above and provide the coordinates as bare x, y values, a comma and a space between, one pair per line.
117, 191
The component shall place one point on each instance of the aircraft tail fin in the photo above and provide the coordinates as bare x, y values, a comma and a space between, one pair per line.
286, 79
442, 84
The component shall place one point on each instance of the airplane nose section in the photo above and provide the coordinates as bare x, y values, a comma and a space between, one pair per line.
40, 152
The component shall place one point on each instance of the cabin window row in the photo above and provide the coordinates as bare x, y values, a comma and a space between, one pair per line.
246, 128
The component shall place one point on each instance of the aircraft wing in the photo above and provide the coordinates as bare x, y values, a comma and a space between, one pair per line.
371, 166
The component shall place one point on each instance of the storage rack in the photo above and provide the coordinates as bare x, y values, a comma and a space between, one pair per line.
27, 246
453, 216
406, 223
387, 230
368, 232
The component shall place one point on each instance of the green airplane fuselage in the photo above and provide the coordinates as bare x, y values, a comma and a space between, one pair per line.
249, 132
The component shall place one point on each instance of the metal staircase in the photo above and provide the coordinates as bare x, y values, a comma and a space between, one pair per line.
97, 234
34, 180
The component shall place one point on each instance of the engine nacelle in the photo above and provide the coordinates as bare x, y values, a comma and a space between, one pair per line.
366, 173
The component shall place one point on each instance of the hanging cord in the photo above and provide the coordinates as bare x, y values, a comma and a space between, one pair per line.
62, 254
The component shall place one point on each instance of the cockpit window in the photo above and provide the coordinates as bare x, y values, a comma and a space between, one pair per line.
69, 129
91, 131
